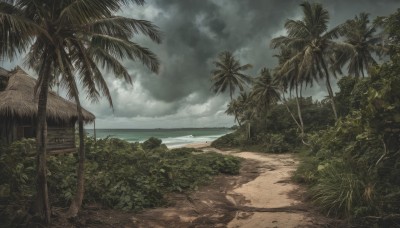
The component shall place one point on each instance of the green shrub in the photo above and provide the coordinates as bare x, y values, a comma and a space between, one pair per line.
17, 172
226, 141
151, 143
118, 174
275, 143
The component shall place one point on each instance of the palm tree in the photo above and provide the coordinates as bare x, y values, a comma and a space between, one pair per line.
71, 37
228, 74
312, 42
265, 90
234, 109
287, 74
359, 45
248, 110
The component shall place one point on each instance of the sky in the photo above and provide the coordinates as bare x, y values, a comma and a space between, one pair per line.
193, 33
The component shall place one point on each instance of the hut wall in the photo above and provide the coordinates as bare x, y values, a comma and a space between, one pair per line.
8, 132
59, 138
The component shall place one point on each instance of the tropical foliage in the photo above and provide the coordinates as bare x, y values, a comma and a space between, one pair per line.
350, 160
228, 74
119, 175
313, 44
73, 39
361, 42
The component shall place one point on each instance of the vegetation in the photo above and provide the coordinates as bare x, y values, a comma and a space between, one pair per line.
70, 38
350, 159
118, 175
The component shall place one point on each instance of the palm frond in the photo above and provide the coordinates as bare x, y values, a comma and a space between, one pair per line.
125, 27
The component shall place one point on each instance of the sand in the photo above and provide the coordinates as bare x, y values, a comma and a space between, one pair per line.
198, 145
271, 189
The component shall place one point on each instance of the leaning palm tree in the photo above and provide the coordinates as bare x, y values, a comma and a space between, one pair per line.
313, 43
73, 38
361, 42
228, 74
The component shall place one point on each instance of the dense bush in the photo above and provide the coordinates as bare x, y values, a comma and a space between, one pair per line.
353, 168
119, 175
226, 141
151, 143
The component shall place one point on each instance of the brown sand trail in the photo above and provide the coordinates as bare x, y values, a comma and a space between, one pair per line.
270, 190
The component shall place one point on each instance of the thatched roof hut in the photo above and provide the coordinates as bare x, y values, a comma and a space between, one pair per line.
18, 112
18, 100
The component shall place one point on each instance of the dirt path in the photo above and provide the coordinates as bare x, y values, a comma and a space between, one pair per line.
261, 196
271, 189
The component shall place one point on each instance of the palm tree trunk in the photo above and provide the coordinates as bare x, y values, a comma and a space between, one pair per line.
299, 112
237, 120
249, 130
42, 196
329, 87
300, 126
291, 113
76, 203
330, 92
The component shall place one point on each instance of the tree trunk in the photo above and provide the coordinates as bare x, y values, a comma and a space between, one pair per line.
76, 202
237, 120
299, 112
248, 128
294, 119
328, 86
291, 113
42, 197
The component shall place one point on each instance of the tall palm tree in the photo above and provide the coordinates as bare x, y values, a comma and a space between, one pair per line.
265, 90
360, 44
228, 74
71, 37
313, 43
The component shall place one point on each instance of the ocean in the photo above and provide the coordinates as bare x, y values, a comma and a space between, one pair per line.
171, 137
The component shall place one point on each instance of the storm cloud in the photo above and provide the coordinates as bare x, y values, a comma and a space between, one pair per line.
193, 33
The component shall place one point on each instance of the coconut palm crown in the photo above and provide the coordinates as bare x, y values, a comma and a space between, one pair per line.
361, 42
266, 90
228, 74
313, 44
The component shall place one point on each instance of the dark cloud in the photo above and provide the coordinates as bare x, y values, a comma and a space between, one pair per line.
194, 32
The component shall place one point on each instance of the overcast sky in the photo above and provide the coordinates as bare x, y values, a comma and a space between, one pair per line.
193, 33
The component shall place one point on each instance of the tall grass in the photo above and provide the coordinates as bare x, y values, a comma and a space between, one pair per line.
342, 192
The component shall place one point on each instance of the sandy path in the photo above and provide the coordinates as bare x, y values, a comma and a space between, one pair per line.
270, 189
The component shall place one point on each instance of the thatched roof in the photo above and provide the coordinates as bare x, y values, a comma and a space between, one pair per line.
17, 99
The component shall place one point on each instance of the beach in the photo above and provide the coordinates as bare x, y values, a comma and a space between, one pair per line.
172, 138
